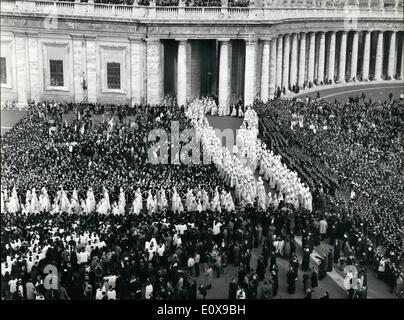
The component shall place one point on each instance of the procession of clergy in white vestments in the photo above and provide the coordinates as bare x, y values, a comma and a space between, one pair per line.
236, 167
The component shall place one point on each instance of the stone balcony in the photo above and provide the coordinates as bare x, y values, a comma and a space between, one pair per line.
266, 11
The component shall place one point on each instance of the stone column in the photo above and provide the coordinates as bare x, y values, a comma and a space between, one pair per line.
155, 90
286, 55
21, 69
224, 73
265, 70
402, 61
78, 68
354, 56
189, 74
321, 58
331, 57
272, 69
91, 62
366, 57
379, 56
293, 62
182, 72
33, 60
137, 76
249, 73
312, 55
342, 57
391, 68
279, 62
195, 67
302, 59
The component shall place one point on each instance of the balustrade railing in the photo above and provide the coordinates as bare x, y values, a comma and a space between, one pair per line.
275, 10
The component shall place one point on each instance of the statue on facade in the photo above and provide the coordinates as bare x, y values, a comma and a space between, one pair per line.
84, 81
396, 4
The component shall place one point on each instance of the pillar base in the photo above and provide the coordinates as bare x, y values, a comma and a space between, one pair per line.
22, 105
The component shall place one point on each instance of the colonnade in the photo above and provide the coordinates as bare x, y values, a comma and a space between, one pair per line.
271, 65
304, 59
301, 60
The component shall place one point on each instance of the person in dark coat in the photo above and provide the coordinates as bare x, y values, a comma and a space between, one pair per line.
306, 284
316, 236
326, 296
306, 260
307, 294
265, 253
337, 251
73, 259
202, 291
314, 279
231, 253
193, 290
332, 232
330, 258
291, 280
260, 268
310, 242
233, 289
267, 290
275, 282
322, 269
294, 263
241, 274
272, 261
253, 288
236, 255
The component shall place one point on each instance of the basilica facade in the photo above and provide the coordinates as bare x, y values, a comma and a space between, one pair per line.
76, 51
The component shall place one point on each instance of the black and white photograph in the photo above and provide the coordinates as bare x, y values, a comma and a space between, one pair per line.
202, 152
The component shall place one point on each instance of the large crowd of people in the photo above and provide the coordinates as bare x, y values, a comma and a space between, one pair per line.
359, 143
173, 256
275, 130
88, 148
108, 224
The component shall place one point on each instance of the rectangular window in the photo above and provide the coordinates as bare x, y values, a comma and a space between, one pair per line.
56, 73
113, 75
3, 70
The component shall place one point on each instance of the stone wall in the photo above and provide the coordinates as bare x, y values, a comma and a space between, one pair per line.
78, 42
